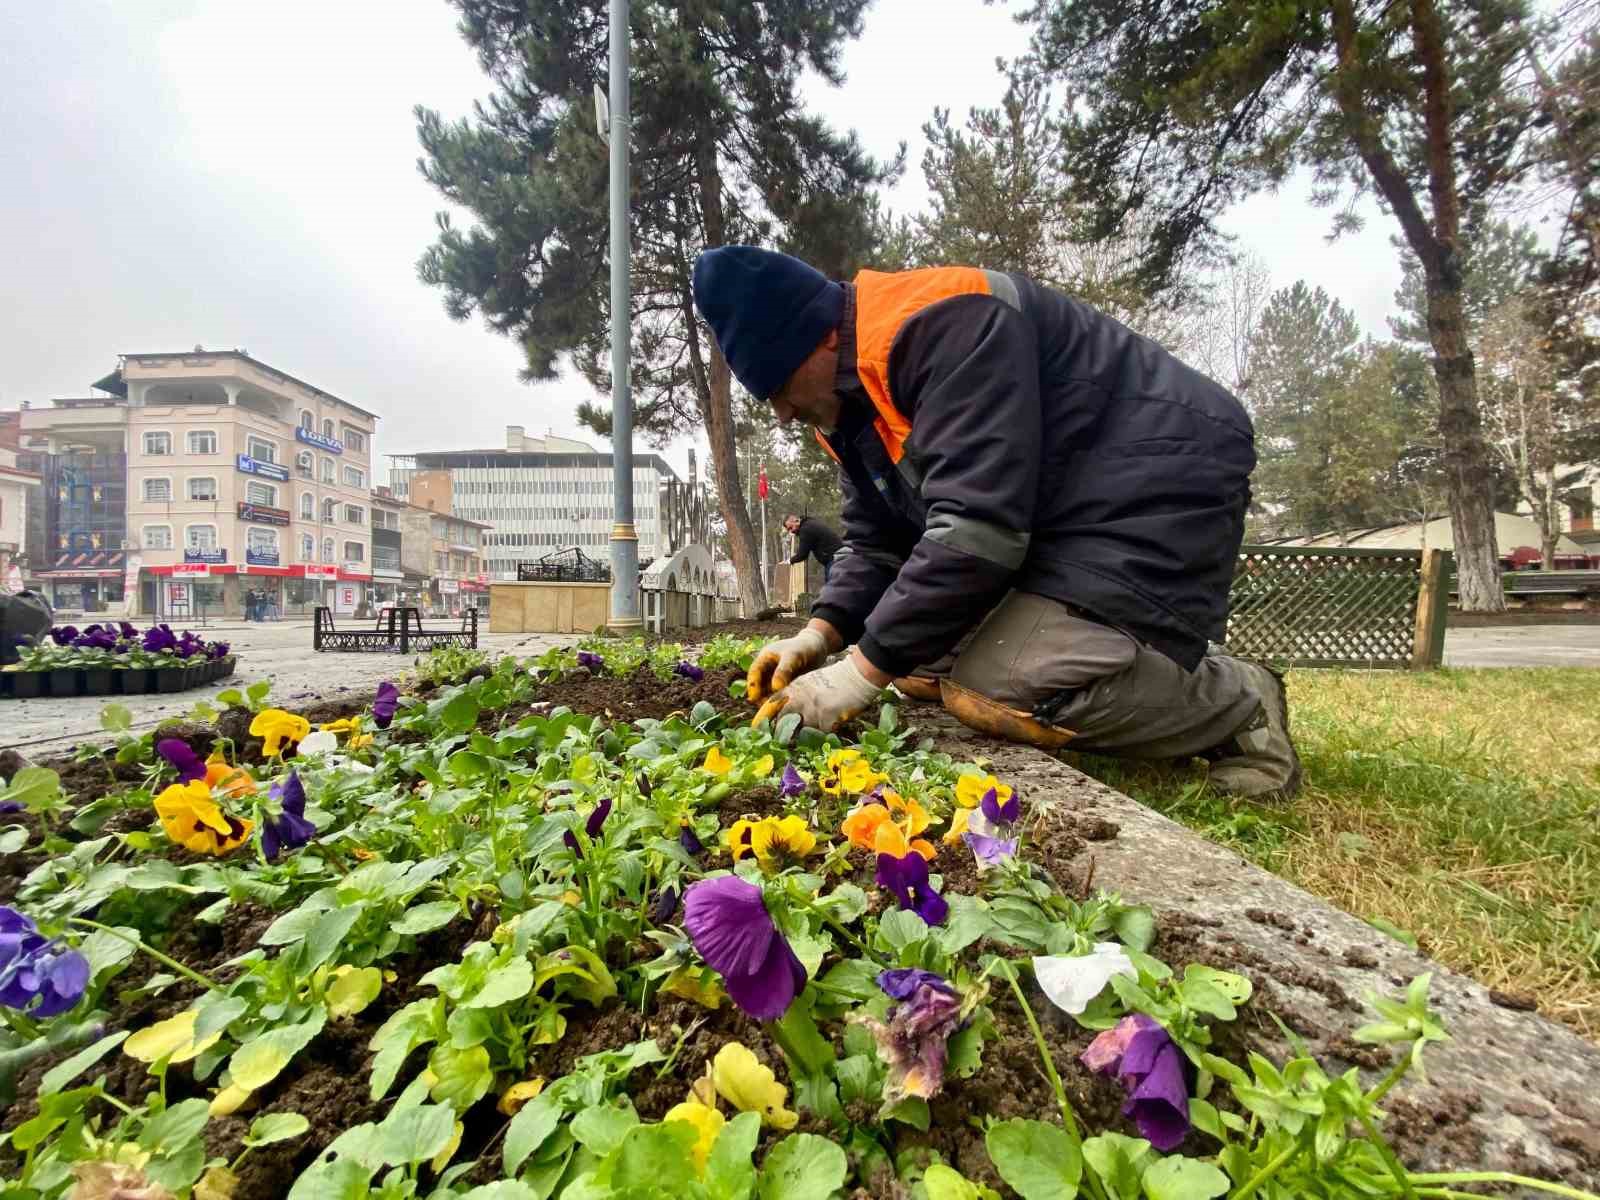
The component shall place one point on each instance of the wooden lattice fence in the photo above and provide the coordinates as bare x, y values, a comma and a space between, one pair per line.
1332, 606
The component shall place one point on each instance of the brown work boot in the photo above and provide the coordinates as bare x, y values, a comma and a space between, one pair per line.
1259, 761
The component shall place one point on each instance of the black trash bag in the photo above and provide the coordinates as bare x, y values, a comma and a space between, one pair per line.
24, 619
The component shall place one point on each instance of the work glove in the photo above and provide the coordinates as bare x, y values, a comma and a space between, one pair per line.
778, 664
824, 699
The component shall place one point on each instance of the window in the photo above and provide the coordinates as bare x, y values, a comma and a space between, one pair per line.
158, 537
327, 470
261, 493
354, 439
262, 542
200, 537
327, 550
202, 441
308, 548
329, 509
261, 449
307, 421
157, 491
302, 464
157, 443
354, 514
355, 477
308, 507
386, 558
203, 488
355, 551
327, 428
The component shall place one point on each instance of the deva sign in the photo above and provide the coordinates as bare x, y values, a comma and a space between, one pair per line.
312, 438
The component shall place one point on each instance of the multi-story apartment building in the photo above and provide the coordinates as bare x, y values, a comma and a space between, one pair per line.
17, 488
452, 546
237, 478
538, 495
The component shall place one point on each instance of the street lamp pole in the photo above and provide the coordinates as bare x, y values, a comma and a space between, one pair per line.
624, 538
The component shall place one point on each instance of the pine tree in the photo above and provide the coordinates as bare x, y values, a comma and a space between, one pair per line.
1196, 105
723, 152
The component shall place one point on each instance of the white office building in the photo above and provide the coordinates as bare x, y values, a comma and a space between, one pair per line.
540, 495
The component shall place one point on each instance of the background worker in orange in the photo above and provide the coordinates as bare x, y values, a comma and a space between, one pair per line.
1042, 511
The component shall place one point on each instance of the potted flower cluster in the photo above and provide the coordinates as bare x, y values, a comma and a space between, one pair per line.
114, 659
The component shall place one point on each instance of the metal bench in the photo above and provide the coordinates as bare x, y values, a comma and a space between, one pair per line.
398, 631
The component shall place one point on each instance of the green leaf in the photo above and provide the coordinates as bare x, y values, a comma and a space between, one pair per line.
257, 691
424, 918
12, 839
275, 1127
730, 1169
36, 788
968, 922
232, 698
1404, 936
259, 1061
1039, 1161
175, 1127
1179, 1178
1135, 927
944, 1183
535, 1121
460, 713
854, 978
912, 1111
58, 1076
352, 991
802, 1167
463, 1077
1119, 1161
328, 933
601, 1127
900, 928
116, 718
414, 1135
783, 732
503, 1189
511, 981
656, 1158
295, 924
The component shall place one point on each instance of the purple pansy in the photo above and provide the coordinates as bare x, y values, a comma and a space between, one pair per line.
792, 783
96, 638
127, 630
570, 841
687, 839
915, 1041
592, 661
218, 650
385, 704
642, 782
189, 765
64, 635
731, 928
689, 671
11, 806
1146, 1061
38, 975
158, 638
1000, 814
664, 905
597, 818
289, 830
907, 878
988, 827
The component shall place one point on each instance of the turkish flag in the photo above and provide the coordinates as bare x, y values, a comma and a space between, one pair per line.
762, 487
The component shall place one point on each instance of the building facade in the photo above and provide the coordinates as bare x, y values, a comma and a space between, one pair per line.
537, 496
453, 548
17, 489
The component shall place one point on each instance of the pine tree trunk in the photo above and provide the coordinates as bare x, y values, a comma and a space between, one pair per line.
742, 547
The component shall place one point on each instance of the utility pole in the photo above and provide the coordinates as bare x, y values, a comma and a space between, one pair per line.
624, 537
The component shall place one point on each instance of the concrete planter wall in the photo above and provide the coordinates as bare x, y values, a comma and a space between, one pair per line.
66, 682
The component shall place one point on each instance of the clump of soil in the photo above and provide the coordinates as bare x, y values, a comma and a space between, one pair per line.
777, 627
642, 695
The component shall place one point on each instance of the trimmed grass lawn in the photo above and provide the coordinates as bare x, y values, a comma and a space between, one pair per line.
1459, 806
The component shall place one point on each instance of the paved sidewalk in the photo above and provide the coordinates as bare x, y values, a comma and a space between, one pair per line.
279, 651
1523, 646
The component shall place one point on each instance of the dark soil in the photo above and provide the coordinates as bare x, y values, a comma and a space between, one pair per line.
642, 695
779, 627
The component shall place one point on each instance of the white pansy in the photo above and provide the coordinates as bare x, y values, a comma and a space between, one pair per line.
320, 742
1071, 982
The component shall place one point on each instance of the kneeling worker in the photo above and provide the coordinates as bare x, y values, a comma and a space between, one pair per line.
1042, 511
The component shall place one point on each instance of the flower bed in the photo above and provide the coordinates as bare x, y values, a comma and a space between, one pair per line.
114, 660
475, 943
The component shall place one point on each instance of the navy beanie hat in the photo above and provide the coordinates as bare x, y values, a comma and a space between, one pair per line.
768, 311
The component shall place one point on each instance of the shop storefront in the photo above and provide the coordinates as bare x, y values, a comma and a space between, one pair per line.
88, 581
257, 589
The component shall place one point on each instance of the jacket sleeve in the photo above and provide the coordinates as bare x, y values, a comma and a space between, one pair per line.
802, 544
966, 371
875, 547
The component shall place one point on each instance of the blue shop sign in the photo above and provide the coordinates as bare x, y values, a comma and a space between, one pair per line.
219, 555
312, 438
260, 558
254, 466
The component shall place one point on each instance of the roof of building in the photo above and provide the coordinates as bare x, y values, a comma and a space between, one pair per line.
115, 384
435, 460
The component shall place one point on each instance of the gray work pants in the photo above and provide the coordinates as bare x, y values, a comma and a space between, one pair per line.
1117, 695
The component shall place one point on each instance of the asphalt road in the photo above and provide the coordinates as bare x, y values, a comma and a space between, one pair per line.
1523, 646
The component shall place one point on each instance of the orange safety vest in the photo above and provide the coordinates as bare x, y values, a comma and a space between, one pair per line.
885, 301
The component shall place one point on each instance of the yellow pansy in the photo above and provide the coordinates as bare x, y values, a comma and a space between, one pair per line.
351, 726
234, 781
971, 789
707, 1123
275, 727
889, 827
698, 986
958, 826
229, 1100
717, 762
172, 1039
763, 767
744, 1082
518, 1094
780, 842
737, 838
849, 774
191, 818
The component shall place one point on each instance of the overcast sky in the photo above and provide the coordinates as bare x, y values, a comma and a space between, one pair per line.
242, 173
